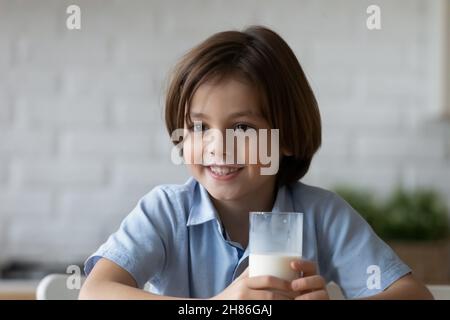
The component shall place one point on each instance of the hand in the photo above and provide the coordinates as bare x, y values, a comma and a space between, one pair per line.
311, 286
256, 288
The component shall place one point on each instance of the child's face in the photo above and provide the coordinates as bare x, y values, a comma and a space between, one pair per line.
228, 104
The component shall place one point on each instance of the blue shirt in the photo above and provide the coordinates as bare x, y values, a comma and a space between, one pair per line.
174, 239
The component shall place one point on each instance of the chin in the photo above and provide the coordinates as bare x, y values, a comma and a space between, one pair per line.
223, 195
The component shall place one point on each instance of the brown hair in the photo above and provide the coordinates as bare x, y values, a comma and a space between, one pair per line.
265, 59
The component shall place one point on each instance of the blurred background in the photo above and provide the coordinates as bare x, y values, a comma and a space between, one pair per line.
82, 136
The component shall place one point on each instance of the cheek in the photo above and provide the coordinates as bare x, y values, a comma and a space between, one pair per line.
192, 152
189, 157
246, 151
263, 154
187, 150
268, 150
252, 151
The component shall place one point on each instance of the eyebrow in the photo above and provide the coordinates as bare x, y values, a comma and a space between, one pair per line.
232, 116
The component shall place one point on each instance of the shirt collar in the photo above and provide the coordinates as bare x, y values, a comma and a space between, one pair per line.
283, 201
203, 210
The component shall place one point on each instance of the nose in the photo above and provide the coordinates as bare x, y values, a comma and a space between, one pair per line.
215, 144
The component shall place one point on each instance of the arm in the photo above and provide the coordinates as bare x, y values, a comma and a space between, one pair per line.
109, 281
313, 286
406, 287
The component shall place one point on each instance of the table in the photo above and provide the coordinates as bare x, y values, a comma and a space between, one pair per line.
18, 289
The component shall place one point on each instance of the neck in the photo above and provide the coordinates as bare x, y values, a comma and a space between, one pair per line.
237, 210
234, 214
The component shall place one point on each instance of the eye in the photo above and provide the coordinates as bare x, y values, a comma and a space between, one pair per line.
242, 127
198, 127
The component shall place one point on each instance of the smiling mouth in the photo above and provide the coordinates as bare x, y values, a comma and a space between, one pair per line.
224, 171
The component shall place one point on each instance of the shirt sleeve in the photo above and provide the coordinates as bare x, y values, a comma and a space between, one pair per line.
139, 245
354, 256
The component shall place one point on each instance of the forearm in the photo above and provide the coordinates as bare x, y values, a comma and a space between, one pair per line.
402, 295
406, 288
109, 290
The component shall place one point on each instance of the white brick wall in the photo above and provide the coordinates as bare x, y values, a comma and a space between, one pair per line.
82, 135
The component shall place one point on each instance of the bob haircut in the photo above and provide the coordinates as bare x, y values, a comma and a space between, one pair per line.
263, 58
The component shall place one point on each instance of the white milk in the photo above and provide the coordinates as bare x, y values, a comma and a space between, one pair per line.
274, 264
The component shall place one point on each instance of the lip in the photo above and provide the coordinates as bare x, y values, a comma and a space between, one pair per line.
226, 177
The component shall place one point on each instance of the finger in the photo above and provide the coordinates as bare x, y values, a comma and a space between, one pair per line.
289, 294
268, 295
268, 282
308, 283
243, 275
315, 295
307, 267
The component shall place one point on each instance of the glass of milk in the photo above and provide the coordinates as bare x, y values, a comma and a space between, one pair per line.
275, 241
